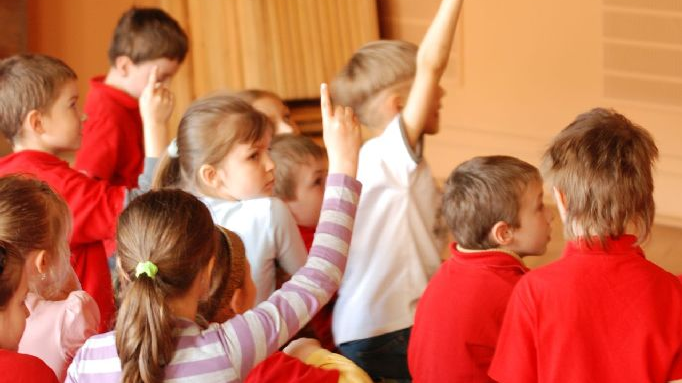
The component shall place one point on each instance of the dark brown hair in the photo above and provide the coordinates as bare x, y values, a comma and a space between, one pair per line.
144, 34
34, 217
174, 231
289, 152
208, 130
603, 162
11, 267
29, 82
483, 191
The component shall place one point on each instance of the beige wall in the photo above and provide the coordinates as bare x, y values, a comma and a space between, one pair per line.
526, 68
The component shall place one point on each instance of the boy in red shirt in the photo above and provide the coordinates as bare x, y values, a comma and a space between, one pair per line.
40, 117
494, 208
601, 313
113, 140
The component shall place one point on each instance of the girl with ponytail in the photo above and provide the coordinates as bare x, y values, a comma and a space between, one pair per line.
168, 244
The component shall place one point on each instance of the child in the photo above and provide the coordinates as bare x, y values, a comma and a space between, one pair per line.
495, 211
37, 222
271, 105
39, 116
167, 244
601, 313
13, 289
315, 364
399, 235
113, 146
300, 171
222, 156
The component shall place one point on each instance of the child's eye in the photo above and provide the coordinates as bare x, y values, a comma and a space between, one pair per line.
253, 156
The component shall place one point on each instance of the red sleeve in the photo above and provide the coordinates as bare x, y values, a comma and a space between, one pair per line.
95, 206
515, 357
282, 368
98, 154
676, 368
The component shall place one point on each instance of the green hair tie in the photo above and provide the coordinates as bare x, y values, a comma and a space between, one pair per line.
146, 268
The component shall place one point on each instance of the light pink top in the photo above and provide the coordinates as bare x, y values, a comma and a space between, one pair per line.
55, 330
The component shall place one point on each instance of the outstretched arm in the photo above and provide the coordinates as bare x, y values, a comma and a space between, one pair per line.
432, 59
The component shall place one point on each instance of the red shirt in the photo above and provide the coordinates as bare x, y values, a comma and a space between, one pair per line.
282, 368
95, 206
23, 368
460, 314
595, 315
113, 143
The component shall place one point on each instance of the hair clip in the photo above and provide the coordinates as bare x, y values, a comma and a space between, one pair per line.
173, 149
146, 268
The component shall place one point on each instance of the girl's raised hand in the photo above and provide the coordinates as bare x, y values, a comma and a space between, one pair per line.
341, 133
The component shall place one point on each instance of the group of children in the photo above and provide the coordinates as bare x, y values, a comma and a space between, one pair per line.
227, 242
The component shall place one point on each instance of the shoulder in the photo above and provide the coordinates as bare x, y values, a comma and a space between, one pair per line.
24, 368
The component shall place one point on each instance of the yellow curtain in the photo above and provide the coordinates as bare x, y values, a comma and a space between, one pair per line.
285, 46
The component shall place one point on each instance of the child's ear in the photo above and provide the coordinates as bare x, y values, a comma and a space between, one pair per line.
502, 233
122, 65
33, 122
40, 261
237, 301
394, 103
560, 199
208, 175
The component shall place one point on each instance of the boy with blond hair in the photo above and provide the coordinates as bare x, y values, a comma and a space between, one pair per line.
393, 87
495, 211
39, 116
113, 143
601, 313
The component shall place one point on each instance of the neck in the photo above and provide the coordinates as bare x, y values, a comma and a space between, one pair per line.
115, 81
185, 306
20, 146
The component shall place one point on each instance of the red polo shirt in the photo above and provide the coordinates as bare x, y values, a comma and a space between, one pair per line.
95, 206
599, 314
113, 143
282, 368
22, 368
459, 316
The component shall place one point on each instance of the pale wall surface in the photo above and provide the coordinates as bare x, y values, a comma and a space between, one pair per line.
524, 69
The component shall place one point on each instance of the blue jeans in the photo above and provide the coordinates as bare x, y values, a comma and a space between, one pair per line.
383, 356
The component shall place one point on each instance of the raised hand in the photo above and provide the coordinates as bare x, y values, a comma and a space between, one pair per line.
341, 134
156, 105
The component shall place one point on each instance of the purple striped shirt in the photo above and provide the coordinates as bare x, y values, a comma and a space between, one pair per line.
227, 352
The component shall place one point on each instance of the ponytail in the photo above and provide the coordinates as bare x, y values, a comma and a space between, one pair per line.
165, 238
167, 174
143, 332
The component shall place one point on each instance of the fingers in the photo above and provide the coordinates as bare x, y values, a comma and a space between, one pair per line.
151, 81
325, 103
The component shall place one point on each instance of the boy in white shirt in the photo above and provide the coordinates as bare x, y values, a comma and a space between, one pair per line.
398, 237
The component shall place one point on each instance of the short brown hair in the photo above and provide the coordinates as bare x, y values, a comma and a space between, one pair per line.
483, 191
11, 268
34, 217
376, 66
289, 152
144, 34
29, 82
602, 163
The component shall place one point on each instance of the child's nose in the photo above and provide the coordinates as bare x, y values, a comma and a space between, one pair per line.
269, 163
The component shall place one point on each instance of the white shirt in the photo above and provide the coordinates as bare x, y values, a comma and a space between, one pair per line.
269, 233
397, 239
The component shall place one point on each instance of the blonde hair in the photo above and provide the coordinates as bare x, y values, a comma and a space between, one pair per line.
207, 132
289, 152
252, 95
483, 191
33, 217
602, 163
29, 82
375, 67
174, 231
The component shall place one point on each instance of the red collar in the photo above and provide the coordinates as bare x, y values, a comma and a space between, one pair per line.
119, 96
36, 155
496, 258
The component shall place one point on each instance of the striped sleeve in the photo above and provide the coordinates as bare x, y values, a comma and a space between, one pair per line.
253, 336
